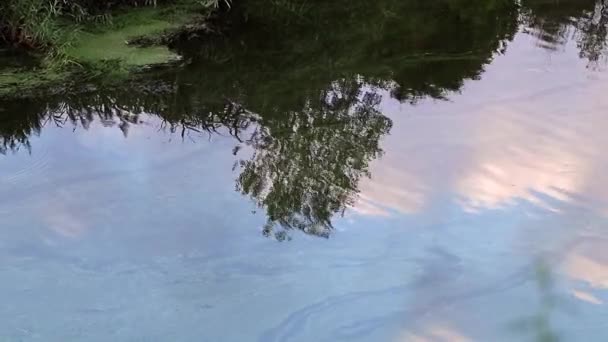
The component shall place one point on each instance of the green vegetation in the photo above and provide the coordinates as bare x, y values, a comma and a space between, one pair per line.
113, 43
99, 37
40, 24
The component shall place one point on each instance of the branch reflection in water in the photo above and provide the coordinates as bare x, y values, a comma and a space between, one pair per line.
306, 104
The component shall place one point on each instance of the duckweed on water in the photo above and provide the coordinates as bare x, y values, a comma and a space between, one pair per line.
103, 51
112, 42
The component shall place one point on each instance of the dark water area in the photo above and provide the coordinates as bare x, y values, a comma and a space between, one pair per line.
367, 171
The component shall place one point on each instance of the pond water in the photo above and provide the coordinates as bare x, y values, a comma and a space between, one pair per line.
373, 171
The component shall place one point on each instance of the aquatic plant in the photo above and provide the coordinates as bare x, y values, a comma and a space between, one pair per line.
103, 38
45, 24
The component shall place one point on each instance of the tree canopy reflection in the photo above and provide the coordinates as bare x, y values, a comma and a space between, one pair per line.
302, 91
584, 21
307, 166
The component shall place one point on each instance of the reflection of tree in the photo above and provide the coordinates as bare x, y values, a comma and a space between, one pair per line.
593, 28
307, 167
414, 48
301, 88
585, 21
539, 323
120, 107
317, 135
15, 133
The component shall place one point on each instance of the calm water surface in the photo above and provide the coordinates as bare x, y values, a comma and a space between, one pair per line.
419, 173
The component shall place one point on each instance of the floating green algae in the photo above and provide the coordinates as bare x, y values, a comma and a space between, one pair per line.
112, 42
105, 52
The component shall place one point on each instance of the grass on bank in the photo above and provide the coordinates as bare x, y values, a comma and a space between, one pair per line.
38, 24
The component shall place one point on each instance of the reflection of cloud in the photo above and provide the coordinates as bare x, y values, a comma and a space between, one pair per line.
587, 262
487, 156
390, 188
584, 268
587, 297
522, 156
435, 333
508, 140
500, 180
62, 222
367, 206
61, 212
